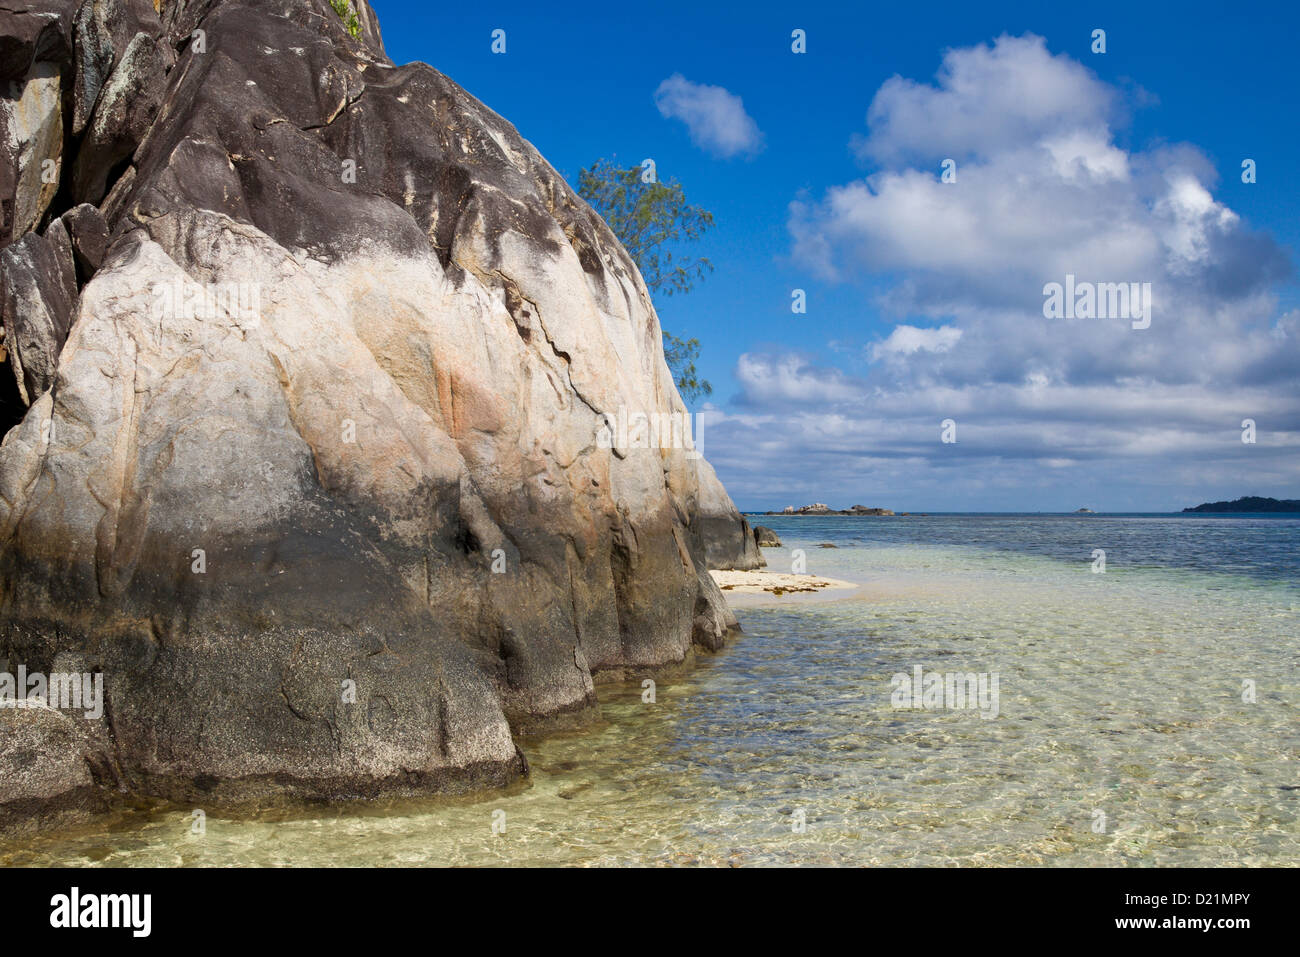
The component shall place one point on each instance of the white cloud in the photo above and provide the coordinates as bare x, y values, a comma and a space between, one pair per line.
1050, 195
905, 340
791, 378
1042, 190
716, 119
988, 99
1019, 445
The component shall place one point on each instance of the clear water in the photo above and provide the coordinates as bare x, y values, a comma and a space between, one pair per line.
1122, 738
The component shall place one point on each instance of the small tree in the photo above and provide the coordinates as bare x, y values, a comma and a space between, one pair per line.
650, 220
681, 355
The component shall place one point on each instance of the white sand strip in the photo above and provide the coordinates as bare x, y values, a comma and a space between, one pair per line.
774, 584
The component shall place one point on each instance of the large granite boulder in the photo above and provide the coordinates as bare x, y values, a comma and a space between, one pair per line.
311, 468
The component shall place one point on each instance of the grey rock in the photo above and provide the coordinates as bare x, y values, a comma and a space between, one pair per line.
765, 537
820, 508
45, 771
38, 299
127, 105
102, 32
722, 532
31, 148
94, 52
864, 510
319, 481
89, 232
33, 31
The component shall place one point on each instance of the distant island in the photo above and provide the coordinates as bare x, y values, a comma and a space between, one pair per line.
1250, 503
819, 508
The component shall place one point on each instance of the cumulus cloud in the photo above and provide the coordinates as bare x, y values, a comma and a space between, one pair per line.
1042, 190
715, 118
905, 340
792, 379
987, 99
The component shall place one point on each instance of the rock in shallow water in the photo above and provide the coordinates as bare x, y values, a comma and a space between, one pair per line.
315, 479
45, 771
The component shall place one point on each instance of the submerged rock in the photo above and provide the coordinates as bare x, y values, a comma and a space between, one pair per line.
313, 475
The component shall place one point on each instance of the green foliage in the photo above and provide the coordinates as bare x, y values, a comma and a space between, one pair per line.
348, 15
651, 220
681, 355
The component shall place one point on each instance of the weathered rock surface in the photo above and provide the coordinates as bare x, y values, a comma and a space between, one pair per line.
89, 232
34, 31
126, 106
102, 32
31, 148
38, 296
724, 533
45, 771
764, 537
310, 470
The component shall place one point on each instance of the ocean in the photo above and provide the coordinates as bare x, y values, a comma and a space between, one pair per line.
1147, 713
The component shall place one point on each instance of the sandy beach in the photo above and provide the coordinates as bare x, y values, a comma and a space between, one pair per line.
760, 587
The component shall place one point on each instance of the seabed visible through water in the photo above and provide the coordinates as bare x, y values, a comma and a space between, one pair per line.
1123, 735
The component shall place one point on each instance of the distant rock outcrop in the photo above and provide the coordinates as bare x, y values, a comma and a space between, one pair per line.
311, 353
819, 508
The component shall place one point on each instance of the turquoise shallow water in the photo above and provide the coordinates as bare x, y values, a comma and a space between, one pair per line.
1122, 736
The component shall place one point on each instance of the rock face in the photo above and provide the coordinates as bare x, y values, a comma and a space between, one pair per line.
38, 295
764, 537
724, 533
316, 350
45, 770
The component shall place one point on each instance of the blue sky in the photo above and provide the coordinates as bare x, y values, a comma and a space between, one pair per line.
924, 299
